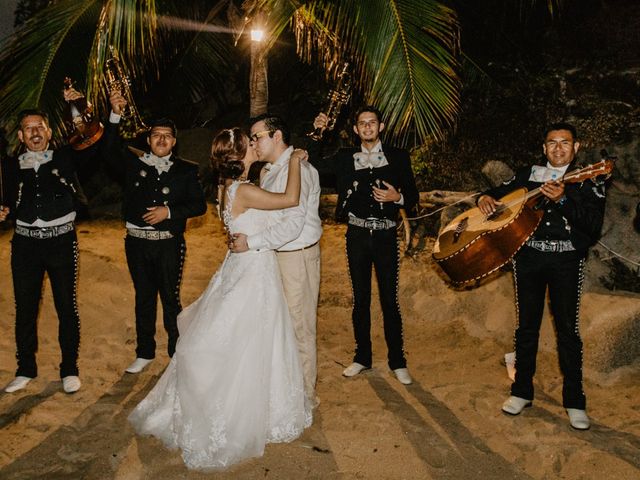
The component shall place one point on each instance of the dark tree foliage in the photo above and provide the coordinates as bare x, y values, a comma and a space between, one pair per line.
25, 9
504, 30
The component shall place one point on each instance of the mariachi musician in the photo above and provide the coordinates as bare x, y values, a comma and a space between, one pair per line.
552, 257
374, 180
41, 196
161, 191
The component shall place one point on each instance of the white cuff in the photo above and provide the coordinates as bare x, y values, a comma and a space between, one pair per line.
252, 240
114, 117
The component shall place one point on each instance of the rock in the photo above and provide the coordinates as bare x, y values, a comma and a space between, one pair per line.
610, 330
496, 172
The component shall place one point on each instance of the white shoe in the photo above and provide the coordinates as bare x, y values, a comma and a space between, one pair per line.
138, 365
17, 383
515, 405
402, 374
71, 384
354, 369
578, 419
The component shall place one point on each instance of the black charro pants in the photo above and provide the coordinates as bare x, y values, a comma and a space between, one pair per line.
562, 274
156, 268
377, 248
30, 259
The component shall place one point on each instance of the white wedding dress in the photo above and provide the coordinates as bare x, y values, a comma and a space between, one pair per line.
235, 381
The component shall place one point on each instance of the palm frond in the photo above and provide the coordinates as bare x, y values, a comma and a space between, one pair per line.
198, 51
403, 52
33, 66
554, 7
130, 27
405, 56
72, 38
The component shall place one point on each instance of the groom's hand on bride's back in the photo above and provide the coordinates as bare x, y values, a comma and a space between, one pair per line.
238, 243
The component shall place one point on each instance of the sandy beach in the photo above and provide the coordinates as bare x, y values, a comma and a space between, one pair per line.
447, 425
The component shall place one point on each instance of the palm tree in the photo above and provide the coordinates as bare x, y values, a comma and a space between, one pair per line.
404, 52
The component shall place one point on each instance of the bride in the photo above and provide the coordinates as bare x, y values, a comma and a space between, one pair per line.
235, 380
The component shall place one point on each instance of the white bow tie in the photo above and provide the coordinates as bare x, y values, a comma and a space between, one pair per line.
161, 164
33, 160
369, 160
544, 174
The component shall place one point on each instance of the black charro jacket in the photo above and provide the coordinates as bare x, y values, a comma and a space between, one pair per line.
179, 188
355, 187
51, 192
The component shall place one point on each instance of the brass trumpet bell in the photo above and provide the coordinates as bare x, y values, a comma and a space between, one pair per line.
132, 124
336, 98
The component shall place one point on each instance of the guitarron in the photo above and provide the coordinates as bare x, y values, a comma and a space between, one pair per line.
474, 245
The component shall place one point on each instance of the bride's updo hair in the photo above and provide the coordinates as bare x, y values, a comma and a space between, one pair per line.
228, 149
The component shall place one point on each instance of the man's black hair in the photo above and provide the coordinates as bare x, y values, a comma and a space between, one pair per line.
166, 123
32, 111
273, 123
367, 108
561, 126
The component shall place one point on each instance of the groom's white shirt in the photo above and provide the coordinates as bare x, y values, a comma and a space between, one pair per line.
296, 227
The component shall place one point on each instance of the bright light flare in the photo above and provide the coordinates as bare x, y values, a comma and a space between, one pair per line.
176, 23
257, 35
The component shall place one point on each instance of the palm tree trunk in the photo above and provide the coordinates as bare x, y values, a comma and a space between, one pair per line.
258, 83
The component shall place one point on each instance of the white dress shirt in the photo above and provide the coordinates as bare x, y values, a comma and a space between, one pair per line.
296, 227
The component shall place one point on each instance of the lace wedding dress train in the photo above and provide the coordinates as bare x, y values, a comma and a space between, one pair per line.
235, 381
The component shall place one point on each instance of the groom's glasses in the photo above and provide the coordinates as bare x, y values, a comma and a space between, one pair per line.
254, 137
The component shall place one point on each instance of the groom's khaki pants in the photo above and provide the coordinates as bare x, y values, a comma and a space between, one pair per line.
300, 272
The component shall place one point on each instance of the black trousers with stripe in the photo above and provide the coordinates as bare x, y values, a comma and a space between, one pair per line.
377, 249
156, 269
562, 274
30, 259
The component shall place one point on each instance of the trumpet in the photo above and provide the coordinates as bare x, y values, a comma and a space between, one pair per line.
336, 99
116, 79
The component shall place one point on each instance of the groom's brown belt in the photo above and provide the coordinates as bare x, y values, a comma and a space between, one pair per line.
299, 249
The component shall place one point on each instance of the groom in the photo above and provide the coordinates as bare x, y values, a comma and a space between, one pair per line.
294, 237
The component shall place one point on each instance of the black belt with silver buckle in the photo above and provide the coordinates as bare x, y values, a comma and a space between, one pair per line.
372, 223
42, 233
